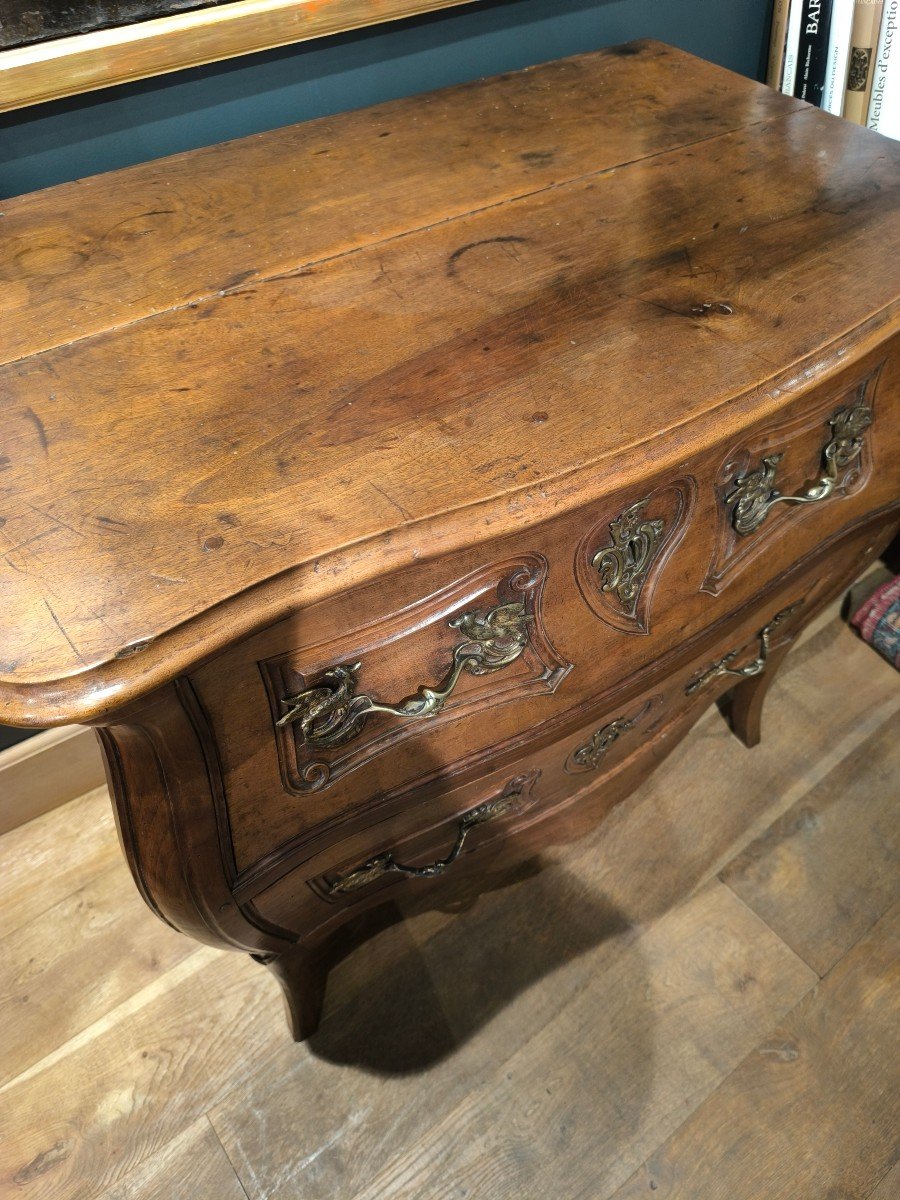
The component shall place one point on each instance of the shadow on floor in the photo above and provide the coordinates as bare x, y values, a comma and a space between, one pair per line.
399, 1007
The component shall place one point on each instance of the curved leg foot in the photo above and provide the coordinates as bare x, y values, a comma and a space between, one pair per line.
303, 978
303, 972
742, 706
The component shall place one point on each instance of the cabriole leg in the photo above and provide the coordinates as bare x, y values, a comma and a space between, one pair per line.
303, 977
742, 706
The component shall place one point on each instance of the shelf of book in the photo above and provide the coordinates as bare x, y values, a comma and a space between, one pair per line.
841, 55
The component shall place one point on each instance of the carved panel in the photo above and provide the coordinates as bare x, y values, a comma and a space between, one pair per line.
475, 644
784, 458
620, 559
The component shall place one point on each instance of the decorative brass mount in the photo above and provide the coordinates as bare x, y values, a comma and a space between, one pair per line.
590, 755
331, 713
384, 864
756, 667
754, 494
623, 566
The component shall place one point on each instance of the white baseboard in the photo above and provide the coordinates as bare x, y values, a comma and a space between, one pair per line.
47, 770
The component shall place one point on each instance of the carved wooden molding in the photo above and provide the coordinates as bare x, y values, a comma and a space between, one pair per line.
167, 786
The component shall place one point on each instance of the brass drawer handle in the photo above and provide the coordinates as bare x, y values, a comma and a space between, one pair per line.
385, 864
754, 494
724, 667
330, 713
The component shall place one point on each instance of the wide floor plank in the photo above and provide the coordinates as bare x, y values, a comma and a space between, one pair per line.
616, 1069
63, 850
79, 1120
824, 872
192, 1167
814, 1111
94, 949
565, 1027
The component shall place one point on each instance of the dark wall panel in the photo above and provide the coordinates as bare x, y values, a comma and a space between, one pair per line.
53, 142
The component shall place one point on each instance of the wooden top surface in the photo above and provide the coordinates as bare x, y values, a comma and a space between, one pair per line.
244, 378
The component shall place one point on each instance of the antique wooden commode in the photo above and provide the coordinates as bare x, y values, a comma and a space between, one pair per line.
392, 492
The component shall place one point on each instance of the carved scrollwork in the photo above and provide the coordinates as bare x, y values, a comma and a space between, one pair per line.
488, 634
620, 559
590, 754
623, 566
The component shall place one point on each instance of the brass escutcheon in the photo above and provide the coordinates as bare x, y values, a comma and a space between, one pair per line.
623, 566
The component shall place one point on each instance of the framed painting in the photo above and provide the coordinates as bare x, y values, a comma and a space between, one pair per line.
52, 48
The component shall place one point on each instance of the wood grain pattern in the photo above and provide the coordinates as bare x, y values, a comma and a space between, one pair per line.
826, 1080
842, 894
626, 1108
330, 467
133, 1076
102, 58
75, 948
223, 514
248, 210
32, 852
193, 1166
611, 946
889, 1185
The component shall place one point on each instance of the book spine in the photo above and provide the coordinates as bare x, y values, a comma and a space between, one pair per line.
863, 44
812, 56
777, 42
838, 56
884, 105
791, 47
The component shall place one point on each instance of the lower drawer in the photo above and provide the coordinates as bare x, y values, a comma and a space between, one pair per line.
443, 830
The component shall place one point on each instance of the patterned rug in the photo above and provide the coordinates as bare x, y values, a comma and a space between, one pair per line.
878, 620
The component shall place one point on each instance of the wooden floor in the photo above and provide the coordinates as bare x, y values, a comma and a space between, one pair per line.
701, 1001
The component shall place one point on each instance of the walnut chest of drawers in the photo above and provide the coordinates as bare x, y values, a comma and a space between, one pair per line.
392, 492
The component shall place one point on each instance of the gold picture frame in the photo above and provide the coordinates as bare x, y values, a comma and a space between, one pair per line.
84, 62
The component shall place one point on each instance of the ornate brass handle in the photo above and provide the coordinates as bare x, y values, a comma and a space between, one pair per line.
754, 494
723, 666
385, 864
331, 713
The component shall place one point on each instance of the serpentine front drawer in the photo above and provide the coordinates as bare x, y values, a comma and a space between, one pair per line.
439, 665
405, 533
572, 770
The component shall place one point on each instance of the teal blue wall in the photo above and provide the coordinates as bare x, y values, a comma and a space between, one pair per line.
50, 143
